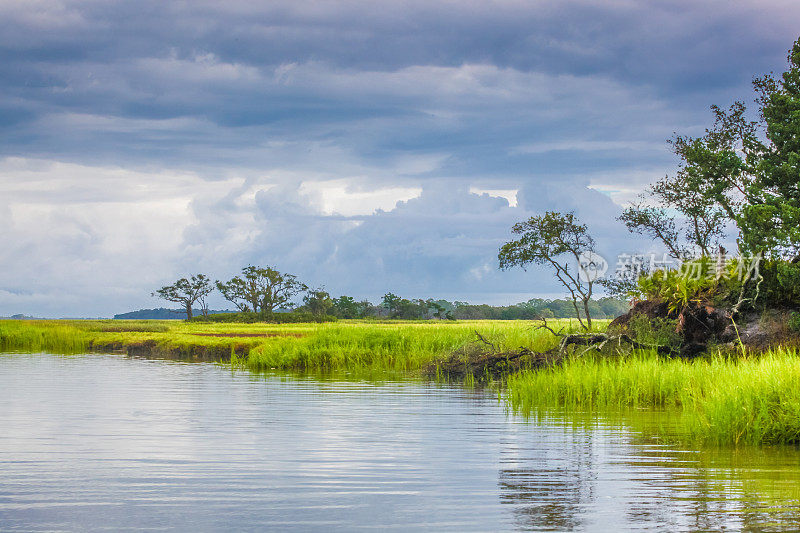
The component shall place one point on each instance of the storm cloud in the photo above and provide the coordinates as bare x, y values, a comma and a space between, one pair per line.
364, 146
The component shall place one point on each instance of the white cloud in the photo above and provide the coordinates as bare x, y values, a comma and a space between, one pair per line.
509, 194
339, 197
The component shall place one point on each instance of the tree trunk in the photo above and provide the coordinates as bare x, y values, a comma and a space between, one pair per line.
188, 311
588, 316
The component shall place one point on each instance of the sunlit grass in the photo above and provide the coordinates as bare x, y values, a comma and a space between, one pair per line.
343, 345
724, 400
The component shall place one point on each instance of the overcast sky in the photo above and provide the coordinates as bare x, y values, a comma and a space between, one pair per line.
364, 146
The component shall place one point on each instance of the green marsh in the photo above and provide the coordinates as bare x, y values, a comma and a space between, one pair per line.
717, 399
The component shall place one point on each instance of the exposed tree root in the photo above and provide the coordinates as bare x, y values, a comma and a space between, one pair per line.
484, 361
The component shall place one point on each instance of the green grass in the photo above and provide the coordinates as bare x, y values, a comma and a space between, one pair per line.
40, 336
342, 345
724, 400
720, 400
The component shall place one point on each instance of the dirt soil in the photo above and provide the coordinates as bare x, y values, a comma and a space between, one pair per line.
702, 326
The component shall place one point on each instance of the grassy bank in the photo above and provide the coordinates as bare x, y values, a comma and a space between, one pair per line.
720, 400
343, 345
723, 400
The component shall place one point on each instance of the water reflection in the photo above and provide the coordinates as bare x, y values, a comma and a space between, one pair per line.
103, 442
611, 473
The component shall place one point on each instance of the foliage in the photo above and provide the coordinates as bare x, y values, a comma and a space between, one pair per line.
702, 281
391, 302
317, 302
740, 173
187, 292
348, 307
794, 322
537, 308
544, 240
781, 284
260, 290
654, 331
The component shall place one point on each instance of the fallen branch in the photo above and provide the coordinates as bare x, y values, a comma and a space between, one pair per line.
599, 340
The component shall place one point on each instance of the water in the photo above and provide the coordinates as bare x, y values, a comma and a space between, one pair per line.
91, 443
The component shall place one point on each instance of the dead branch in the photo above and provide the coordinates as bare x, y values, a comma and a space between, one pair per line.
483, 340
548, 328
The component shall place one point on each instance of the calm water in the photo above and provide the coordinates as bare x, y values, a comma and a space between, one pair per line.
111, 443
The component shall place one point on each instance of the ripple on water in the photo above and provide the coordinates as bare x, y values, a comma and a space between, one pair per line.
108, 442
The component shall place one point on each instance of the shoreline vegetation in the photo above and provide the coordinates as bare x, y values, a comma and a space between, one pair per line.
721, 398
407, 346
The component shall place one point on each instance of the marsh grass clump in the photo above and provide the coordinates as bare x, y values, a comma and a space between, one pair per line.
405, 347
38, 336
724, 399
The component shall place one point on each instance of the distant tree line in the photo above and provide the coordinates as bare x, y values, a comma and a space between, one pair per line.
263, 291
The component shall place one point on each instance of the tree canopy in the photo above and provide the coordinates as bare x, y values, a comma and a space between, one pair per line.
187, 292
545, 240
260, 290
742, 174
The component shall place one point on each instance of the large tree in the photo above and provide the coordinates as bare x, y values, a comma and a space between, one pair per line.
187, 292
741, 174
260, 290
562, 242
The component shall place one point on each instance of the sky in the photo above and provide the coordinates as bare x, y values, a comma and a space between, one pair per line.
365, 147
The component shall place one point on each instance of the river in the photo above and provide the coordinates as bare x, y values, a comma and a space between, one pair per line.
103, 442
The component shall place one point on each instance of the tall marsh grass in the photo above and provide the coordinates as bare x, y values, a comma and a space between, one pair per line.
342, 345
41, 336
400, 346
724, 400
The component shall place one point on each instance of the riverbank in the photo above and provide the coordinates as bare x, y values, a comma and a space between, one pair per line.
721, 399
343, 345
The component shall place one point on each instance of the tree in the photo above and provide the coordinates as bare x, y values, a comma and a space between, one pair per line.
365, 309
741, 173
186, 292
391, 303
345, 307
439, 310
546, 240
318, 302
260, 290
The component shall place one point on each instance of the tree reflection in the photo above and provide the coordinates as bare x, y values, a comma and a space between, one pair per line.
550, 491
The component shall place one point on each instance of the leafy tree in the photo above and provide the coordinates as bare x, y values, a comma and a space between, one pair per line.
260, 290
187, 292
411, 309
391, 303
440, 309
558, 240
741, 173
318, 302
365, 309
345, 307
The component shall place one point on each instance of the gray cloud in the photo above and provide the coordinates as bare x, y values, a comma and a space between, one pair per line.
140, 141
